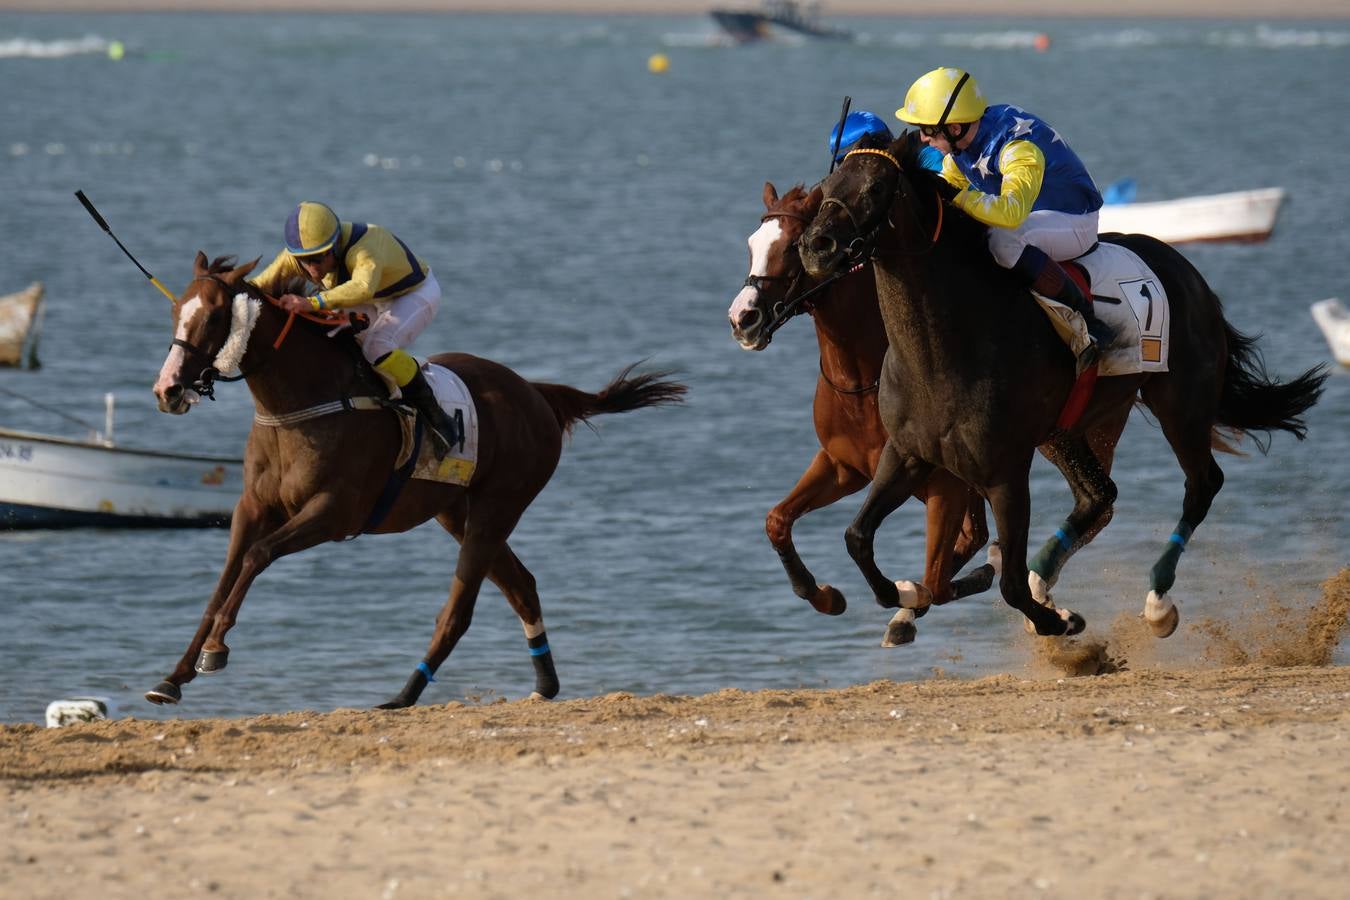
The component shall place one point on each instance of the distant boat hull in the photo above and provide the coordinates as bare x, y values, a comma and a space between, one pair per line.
1334, 320
1240, 216
746, 25
52, 482
20, 325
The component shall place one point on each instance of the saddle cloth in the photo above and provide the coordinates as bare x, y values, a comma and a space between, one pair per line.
458, 465
1129, 298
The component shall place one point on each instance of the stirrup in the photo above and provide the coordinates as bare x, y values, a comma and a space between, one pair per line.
1090, 357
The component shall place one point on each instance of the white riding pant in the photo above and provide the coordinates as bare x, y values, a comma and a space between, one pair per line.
1060, 235
396, 323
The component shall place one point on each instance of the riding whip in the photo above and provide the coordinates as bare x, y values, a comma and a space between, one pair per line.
79, 195
834, 152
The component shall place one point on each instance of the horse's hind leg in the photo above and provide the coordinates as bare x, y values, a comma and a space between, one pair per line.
1190, 440
1012, 512
1094, 495
518, 585
823, 482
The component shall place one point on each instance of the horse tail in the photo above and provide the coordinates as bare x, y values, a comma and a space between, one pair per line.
571, 405
1253, 402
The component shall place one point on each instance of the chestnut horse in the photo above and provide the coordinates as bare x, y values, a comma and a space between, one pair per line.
853, 343
319, 460
975, 377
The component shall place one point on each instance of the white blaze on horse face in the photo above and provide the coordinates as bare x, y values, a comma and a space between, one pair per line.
169, 373
761, 244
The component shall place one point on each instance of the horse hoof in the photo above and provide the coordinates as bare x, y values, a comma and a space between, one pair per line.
901, 629
396, 703
210, 662
1073, 621
535, 695
1161, 614
829, 601
164, 692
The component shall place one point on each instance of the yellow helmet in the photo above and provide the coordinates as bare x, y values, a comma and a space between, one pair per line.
942, 96
311, 228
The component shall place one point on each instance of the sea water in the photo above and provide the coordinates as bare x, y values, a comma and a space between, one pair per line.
582, 214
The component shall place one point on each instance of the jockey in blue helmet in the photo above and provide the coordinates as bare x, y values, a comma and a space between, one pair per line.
364, 268
860, 123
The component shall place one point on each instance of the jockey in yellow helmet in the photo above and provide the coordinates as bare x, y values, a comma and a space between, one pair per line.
364, 268
1015, 173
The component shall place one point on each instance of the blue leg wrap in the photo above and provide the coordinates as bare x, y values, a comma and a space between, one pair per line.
425, 670
1054, 554
1164, 572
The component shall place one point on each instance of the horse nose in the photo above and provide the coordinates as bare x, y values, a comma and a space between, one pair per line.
170, 396
745, 318
822, 244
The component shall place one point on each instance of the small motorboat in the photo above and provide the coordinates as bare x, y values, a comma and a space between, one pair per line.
1239, 216
1334, 319
747, 25
55, 482
20, 325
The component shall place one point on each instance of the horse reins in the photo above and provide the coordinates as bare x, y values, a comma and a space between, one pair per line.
868, 242
205, 383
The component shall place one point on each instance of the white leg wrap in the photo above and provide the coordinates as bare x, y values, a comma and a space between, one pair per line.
903, 617
913, 595
1157, 606
1040, 590
996, 558
533, 630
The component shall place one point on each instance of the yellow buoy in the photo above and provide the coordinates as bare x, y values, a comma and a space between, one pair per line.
116, 51
657, 63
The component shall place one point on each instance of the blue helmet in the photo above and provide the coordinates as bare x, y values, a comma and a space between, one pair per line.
858, 123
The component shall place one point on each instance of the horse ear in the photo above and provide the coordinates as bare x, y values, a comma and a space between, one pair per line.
770, 194
200, 264
813, 200
234, 276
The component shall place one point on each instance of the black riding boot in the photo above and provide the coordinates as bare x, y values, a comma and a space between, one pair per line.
445, 434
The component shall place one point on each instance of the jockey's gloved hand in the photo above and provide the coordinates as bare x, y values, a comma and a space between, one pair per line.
946, 189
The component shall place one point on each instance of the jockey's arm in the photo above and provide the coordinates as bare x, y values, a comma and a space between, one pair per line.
1023, 168
952, 175
360, 288
278, 274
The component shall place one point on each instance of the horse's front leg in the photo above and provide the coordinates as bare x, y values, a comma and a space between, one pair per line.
895, 480
313, 524
250, 520
824, 481
1012, 513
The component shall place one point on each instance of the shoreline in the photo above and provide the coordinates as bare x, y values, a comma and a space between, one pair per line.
1330, 10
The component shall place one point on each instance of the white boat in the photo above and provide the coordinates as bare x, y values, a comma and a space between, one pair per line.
55, 482
20, 325
1334, 320
1240, 216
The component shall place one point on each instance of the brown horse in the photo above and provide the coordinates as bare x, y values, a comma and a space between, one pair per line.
323, 473
852, 343
852, 339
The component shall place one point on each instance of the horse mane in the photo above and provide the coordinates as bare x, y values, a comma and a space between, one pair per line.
970, 233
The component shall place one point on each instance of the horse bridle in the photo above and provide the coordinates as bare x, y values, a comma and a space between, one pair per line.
864, 247
789, 306
205, 383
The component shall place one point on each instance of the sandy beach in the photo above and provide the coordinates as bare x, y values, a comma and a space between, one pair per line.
1210, 781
